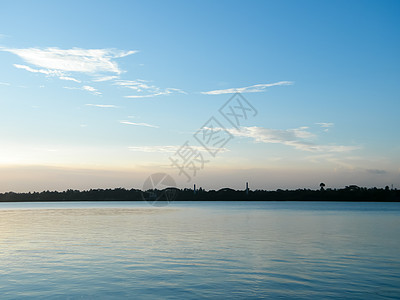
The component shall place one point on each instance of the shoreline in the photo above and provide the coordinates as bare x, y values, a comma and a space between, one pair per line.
347, 194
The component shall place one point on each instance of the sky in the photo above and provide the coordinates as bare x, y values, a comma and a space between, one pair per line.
280, 94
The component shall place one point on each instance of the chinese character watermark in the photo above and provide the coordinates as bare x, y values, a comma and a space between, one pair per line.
236, 109
212, 136
188, 160
159, 189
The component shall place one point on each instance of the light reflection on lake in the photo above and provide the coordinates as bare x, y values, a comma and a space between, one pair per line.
193, 250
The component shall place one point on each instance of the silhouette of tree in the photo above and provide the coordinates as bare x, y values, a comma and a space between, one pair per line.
349, 193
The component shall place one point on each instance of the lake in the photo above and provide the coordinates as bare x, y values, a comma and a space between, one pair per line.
203, 250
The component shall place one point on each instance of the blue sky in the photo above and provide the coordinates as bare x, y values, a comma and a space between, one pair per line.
104, 93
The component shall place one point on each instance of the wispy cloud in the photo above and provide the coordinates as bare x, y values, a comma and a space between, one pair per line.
61, 63
100, 64
105, 78
155, 149
257, 88
42, 71
5, 83
164, 92
90, 89
326, 125
143, 96
70, 79
144, 89
138, 85
347, 162
377, 171
102, 105
59, 74
169, 149
91, 61
87, 88
138, 124
299, 138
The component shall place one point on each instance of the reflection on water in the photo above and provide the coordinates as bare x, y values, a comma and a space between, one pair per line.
200, 250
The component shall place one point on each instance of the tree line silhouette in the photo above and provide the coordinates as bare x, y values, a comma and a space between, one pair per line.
349, 193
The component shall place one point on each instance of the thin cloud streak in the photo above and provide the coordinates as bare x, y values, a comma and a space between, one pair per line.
297, 138
257, 88
105, 78
42, 71
59, 74
69, 78
376, 171
102, 105
138, 124
90, 89
169, 149
325, 125
138, 85
154, 149
90, 61
147, 90
96, 62
167, 91
87, 88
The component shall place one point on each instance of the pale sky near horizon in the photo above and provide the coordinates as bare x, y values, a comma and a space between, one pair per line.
101, 94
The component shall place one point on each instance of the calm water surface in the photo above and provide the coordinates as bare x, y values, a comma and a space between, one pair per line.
291, 250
